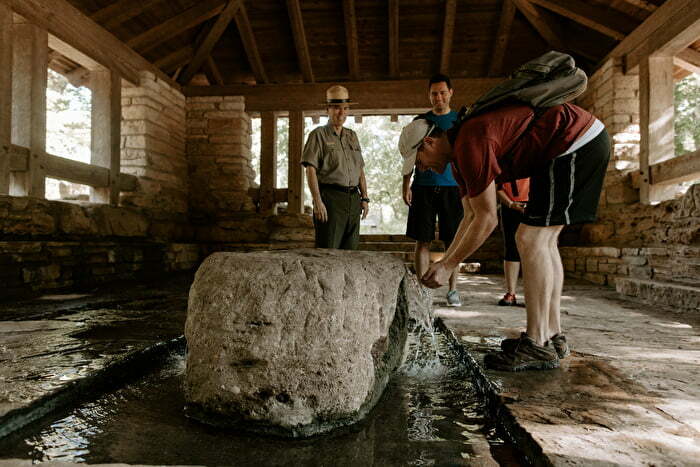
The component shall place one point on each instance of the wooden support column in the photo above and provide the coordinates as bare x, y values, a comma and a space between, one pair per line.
655, 121
30, 74
5, 96
295, 184
106, 132
268, 161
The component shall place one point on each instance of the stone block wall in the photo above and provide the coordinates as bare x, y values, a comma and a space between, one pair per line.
153, 145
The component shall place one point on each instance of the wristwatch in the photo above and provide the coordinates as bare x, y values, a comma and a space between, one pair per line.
366, 200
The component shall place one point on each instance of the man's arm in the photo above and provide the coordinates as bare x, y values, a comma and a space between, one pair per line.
320, 212
406, 190
468, 239
363, 193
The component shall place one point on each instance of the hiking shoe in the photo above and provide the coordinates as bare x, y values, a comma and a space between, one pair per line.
453, 298
560, 345
527, 355
508, 300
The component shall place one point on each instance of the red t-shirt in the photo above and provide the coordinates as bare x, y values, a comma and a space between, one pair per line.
483, 141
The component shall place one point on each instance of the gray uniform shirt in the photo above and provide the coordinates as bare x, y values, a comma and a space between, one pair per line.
337, 159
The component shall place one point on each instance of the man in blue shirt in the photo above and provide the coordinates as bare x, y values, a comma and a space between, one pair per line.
433, 194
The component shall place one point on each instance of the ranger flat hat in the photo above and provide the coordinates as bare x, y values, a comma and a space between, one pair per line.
336, 95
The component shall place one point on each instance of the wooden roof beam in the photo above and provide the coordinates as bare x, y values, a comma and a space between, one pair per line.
394, 68
190, 18
502, 38
121, 11
175, 59
643, 4
398, 95
689, 60
350, 17
80, 32
604, 20
213, 70
448, 30
250, 45
210, 39
297, 23
542, 24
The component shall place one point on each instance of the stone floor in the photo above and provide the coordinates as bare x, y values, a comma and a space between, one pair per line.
629, 394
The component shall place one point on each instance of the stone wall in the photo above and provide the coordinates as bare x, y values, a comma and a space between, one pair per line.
660, 242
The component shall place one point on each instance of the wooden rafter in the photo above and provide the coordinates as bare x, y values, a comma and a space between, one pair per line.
502, 37
448, 30
205, 47
604, 20
121, 11
689, 60
350, 18
643, 4
213, 69
302, 47
394, 68
175, 59
190, 18
544, 26
250, 45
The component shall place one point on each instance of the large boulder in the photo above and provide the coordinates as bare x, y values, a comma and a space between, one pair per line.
293, 343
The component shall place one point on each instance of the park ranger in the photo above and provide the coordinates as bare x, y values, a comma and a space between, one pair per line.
336, 177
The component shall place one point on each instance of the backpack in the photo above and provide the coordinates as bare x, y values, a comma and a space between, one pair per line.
548, 80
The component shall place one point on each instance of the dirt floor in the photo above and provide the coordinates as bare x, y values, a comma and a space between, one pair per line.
630, 392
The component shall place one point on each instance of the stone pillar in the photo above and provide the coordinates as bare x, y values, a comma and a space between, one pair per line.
153, 145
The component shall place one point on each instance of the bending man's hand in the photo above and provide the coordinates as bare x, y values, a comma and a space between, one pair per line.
436, 276
320, 212
365, 209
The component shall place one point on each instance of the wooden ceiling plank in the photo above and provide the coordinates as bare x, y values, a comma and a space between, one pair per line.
643, 4
400, 95
121, 11
541, 23
394, 68
302, 47
250, 45
212, 37
74, 28
502, 38
186, 20
213, 68
604, 20
690, 56
175, 59
350, 18
448, 30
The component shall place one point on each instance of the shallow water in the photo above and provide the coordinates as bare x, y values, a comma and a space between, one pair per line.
429, 415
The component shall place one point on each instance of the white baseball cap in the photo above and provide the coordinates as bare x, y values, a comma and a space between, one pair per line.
410, 140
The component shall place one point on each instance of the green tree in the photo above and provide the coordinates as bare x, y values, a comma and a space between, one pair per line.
687, 114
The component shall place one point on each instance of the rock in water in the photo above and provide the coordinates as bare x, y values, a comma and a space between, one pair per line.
293, 343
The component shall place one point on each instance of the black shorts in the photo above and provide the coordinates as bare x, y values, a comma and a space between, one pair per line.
510, 221
428, 202
567, 190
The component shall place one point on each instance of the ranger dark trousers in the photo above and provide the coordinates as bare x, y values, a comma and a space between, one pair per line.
342, 230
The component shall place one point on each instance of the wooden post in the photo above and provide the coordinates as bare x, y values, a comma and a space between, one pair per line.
106, 132
655, 121
295, 185
5, 96
268, 161
30, 74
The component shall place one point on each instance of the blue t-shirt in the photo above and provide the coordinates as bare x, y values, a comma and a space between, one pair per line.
428, 177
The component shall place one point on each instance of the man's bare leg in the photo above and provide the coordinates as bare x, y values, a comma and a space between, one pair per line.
534, 245
422, 258
453, 279
510, 272
558, 285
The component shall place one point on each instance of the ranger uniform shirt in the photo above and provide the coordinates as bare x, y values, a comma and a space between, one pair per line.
337, 159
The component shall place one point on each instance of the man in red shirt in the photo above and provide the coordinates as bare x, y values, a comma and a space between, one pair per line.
565, 152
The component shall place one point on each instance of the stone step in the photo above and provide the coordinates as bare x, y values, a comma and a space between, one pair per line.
673, 294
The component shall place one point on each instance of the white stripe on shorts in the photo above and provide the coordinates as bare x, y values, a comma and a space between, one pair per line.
571, 188
551, 192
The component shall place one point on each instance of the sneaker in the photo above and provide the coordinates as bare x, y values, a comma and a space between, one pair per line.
453, 298
508, 300
558, 342
527, 355
560, 345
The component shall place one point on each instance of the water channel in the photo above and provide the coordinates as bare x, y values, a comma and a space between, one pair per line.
429, 415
